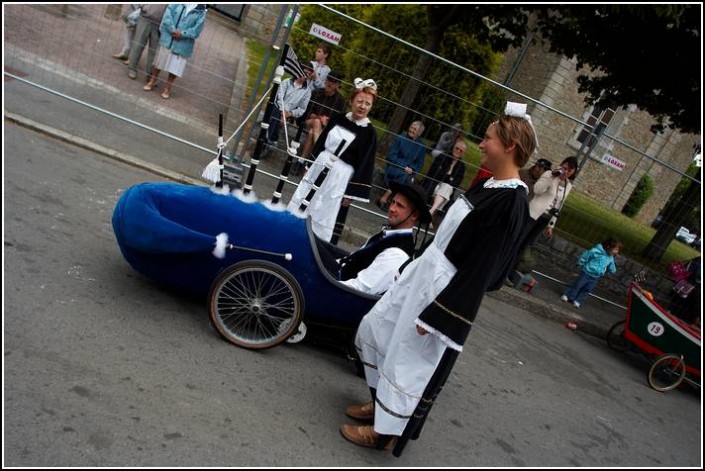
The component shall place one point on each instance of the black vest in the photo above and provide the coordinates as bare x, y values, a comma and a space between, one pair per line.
357, 261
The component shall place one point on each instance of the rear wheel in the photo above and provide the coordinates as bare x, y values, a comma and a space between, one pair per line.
255, 304
667, 372
616, 339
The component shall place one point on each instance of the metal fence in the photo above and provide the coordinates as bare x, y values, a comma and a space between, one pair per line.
67, 50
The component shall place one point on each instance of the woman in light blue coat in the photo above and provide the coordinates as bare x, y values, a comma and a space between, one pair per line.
181, 25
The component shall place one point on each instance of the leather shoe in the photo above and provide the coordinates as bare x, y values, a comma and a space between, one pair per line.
365, 411
364, 435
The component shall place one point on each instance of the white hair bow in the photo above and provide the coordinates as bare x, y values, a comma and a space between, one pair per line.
519, 110
369, 83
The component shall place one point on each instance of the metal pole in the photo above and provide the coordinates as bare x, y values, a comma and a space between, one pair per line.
264, 126
258, 83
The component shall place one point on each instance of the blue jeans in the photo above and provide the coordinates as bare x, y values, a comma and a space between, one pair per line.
581, 288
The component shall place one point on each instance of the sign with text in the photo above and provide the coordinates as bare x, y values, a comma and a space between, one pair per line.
613, 162
325, 34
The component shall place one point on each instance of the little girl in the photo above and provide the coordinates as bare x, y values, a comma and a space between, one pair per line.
594, 263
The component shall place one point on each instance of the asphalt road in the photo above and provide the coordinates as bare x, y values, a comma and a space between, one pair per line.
104, 368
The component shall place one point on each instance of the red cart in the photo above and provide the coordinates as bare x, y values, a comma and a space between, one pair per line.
655, 332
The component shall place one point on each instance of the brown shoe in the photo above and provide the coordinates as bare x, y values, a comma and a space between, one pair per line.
365, 411
364, 435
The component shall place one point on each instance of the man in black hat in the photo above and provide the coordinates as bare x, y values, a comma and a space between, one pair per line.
374, 267
532, 174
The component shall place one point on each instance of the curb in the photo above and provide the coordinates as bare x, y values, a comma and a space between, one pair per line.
547, 311
102, 150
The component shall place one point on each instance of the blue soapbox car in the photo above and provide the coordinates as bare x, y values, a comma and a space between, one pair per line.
258, 264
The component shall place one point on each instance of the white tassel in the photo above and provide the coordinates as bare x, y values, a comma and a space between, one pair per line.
221, 243
212, 171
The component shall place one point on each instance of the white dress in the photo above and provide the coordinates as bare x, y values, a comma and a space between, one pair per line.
398, 361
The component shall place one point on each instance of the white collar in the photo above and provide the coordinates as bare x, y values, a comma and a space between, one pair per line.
362, 122
508, 183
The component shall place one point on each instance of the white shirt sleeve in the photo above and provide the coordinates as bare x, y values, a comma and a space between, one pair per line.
379, 276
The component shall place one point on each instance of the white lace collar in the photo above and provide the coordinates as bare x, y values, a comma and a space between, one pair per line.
508, 183
362, 122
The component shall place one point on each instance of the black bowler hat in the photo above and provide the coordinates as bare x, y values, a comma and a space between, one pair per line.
418, 197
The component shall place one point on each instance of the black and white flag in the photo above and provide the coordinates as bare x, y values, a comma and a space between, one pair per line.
291, 63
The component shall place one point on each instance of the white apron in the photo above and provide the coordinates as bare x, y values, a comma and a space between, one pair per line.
325, 204
398, 361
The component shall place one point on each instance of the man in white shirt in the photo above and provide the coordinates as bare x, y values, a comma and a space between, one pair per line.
374, 267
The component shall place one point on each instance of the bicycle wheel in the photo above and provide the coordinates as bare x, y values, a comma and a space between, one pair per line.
616, 339
667, 372
255, 304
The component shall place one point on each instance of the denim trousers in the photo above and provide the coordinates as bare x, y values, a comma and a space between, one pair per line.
581, 288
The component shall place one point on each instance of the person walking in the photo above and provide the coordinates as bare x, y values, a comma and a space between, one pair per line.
593, 264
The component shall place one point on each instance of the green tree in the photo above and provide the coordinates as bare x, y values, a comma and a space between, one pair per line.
641, 194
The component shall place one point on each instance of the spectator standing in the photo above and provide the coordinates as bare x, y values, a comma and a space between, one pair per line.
446, 174
410, 340
550, 192
320, 67
594, 263
347, 149
146, 33
531, 175
181, 25
447, 139
130, 18
404, 159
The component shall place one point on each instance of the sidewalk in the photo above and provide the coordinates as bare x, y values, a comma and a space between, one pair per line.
30, 53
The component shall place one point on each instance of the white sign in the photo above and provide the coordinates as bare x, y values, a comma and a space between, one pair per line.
613, 162
325, 34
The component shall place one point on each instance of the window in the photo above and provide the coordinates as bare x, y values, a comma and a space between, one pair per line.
599, 119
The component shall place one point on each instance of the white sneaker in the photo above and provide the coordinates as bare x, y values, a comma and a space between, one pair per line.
576, 304
564, 298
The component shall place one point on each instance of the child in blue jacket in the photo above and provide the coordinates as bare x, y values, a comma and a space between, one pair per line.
594, 263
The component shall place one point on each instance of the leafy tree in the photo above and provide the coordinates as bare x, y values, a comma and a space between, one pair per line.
682, 205
648, 55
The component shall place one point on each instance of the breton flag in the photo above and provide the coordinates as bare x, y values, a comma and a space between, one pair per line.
291, 63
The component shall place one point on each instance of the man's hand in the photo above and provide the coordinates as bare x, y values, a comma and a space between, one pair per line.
548, 232
346, 202
420, 330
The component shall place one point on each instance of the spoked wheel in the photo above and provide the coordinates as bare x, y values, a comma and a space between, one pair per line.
255, 304
616, 339
667, 372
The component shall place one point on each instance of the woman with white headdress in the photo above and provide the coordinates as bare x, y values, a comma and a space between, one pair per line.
409, 341
345, 156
